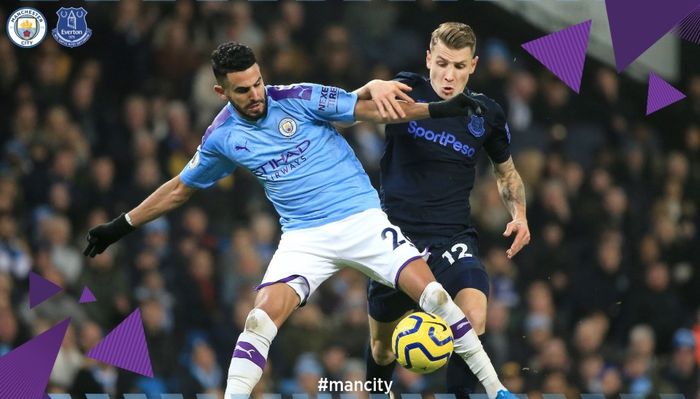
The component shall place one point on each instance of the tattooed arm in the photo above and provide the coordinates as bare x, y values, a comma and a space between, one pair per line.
512, 191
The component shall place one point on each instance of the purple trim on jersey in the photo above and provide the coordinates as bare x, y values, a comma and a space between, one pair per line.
302, 92
286, 280
460, 328
396, 279
224, 114
245, 350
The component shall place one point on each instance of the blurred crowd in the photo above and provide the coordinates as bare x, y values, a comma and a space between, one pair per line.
606, 299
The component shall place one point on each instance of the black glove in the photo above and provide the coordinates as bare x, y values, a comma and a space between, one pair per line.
104, 235
459, 105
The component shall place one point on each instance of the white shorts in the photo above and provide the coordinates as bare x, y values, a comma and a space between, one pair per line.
366, 241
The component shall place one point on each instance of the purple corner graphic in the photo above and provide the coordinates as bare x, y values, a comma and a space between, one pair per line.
689, 28
635, 25
125, 347
87, 296
563, 52
40, 289
661, 94
25, 371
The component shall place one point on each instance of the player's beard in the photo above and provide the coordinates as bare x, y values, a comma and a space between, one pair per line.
252, 115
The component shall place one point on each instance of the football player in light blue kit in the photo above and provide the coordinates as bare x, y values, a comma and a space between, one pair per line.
330, 213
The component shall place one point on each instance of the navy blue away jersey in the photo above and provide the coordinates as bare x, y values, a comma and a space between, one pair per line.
428, 166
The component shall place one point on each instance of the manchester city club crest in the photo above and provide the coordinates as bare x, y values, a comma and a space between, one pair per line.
71, 28
288, 127
476, 126
26, 27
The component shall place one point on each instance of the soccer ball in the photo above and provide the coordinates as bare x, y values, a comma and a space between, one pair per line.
422, 342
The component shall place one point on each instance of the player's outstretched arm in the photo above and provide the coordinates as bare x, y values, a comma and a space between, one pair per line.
387, 95
166, 198
459, 105
512, 191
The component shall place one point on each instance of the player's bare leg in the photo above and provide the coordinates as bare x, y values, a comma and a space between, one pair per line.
380, 340
380, 360
418, 282
473, 303
273, 305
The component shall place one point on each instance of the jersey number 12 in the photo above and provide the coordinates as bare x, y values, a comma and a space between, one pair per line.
462, 248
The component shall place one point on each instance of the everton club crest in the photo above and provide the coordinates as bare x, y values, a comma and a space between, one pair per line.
476, 126
71, 28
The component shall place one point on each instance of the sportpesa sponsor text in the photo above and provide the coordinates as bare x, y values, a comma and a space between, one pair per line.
443, 138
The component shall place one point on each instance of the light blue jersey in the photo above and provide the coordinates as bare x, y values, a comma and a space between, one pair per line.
308, 170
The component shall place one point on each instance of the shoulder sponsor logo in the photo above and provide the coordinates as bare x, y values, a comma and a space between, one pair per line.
443, 138
26, 27
328, 99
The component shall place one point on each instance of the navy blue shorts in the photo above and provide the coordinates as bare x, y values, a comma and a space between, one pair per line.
456, 266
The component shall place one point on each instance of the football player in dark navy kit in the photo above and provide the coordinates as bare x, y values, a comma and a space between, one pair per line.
427, 173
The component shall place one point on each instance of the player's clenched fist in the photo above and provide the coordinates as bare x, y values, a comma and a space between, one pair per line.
104, 235
459, 105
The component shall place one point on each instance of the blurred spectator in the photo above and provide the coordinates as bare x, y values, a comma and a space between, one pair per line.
68, 362
197, 293
14, 254
657, 305
308, 371
96, 376
159, 338
603, 284
201, 372
68, 260
499, 343
110, 285
10, 331
683, 371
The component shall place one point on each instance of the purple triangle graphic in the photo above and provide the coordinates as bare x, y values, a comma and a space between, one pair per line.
563, 52
689, 28
40, 289
24, 372
635, 25
125, 347
661, 94
87, 296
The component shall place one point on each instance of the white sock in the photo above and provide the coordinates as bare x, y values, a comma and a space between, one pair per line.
435, 299
250, 354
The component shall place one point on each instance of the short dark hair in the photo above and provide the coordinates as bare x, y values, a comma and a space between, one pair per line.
231, 57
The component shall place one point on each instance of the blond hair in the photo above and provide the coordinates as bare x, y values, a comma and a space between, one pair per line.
454, 35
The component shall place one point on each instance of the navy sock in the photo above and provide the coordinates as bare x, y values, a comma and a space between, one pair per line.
460, 380
374, 370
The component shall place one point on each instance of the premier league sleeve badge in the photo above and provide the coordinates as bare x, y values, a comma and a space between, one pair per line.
71, 28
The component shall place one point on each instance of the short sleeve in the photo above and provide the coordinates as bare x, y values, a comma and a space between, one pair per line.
326, 103
207, 166
497, 145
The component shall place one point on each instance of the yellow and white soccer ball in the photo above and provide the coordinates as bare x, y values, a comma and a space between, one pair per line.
422, 342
